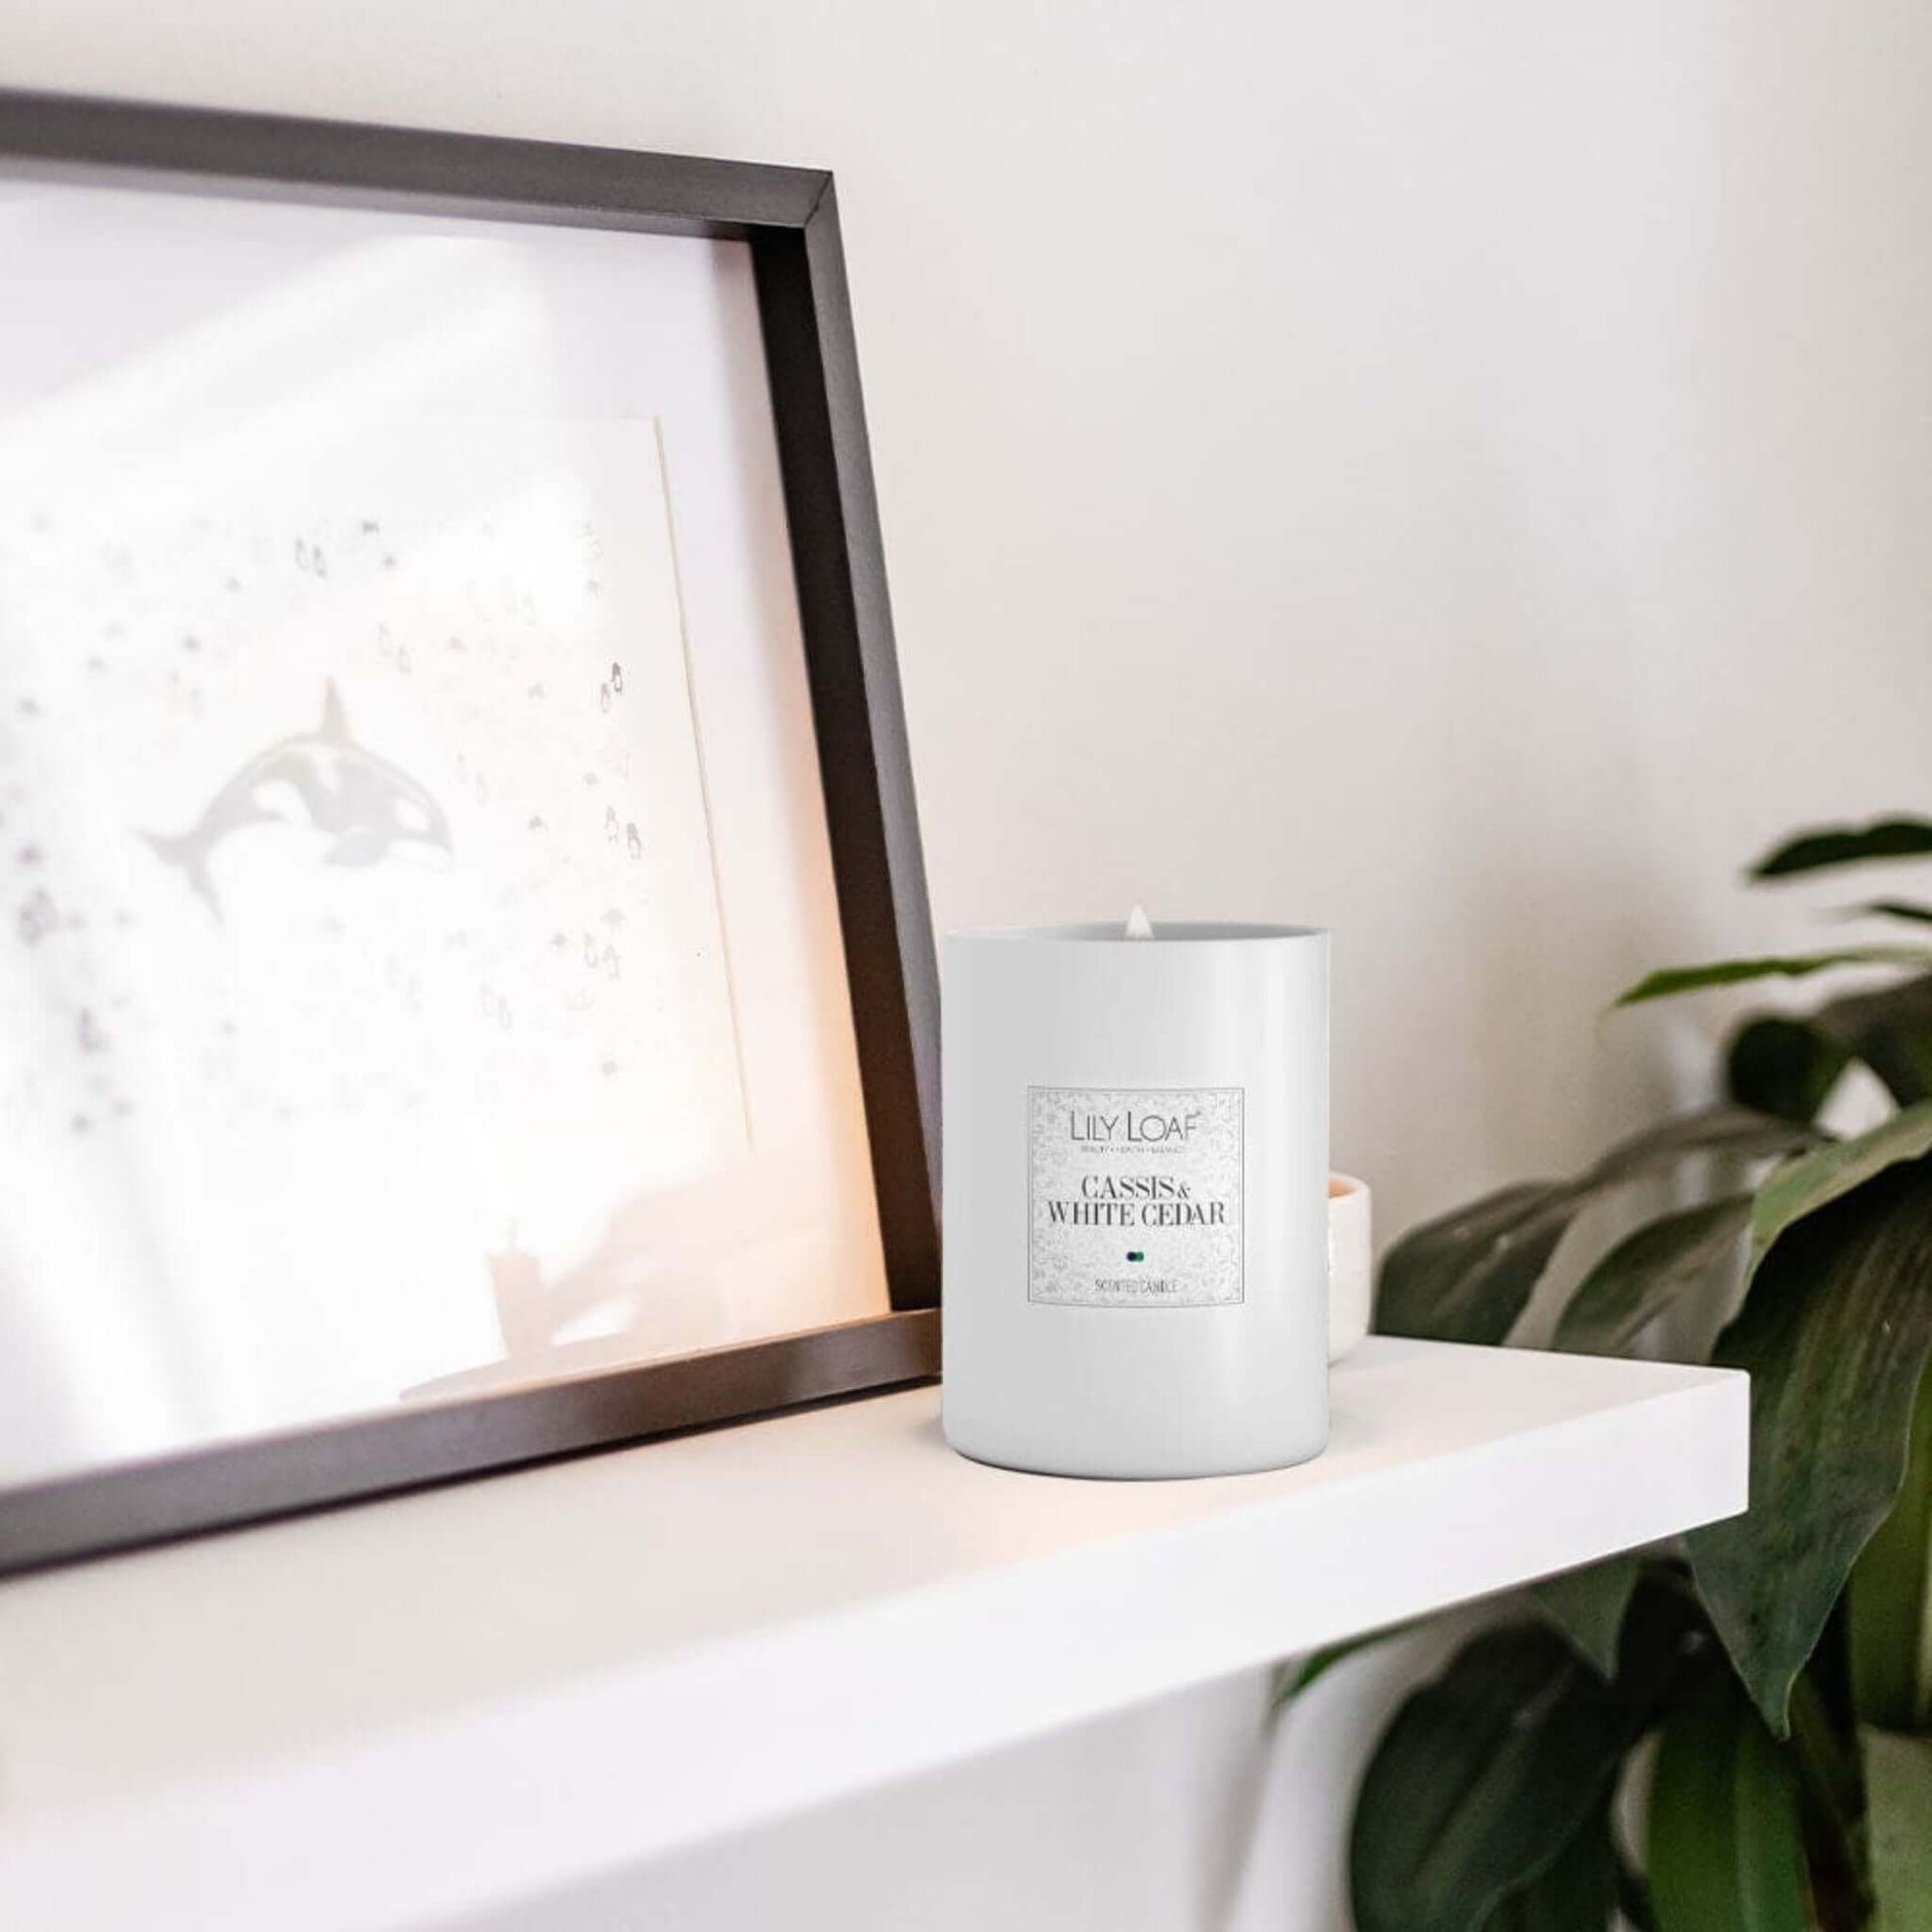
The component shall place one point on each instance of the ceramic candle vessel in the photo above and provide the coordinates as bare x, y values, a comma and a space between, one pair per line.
1136, 1197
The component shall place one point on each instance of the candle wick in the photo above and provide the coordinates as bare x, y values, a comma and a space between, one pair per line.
1139, 925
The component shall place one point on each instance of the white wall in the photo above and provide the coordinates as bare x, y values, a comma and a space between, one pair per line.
1454, 473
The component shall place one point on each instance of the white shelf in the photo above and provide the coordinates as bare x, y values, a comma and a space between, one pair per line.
374, 1717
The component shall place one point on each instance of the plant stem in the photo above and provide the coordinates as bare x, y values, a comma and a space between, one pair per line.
1828, 1769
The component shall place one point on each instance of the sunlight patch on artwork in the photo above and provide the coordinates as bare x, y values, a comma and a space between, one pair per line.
361, 925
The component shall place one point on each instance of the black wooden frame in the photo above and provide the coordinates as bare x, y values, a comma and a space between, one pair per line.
789, 218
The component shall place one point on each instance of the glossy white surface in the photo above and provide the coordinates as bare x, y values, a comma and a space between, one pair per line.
453, 1699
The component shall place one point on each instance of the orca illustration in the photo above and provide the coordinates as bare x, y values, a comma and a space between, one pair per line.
364, 803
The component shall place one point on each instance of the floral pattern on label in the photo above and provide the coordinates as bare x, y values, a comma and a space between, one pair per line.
1134, 1196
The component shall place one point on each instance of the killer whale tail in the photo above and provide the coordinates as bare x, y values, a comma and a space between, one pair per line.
186, 853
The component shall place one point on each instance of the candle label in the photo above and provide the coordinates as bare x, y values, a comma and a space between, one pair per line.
1134, 1196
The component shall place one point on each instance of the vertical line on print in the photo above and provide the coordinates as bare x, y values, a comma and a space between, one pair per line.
703, 790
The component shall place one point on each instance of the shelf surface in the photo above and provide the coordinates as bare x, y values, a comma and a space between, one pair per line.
406, 1711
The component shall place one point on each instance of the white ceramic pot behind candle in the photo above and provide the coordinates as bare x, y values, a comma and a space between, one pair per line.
1136, 1198
1351, 1263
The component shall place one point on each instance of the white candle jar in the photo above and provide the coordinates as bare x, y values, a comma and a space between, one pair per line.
1135, 1159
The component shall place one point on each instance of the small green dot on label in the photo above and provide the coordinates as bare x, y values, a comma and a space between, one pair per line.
1135, 1254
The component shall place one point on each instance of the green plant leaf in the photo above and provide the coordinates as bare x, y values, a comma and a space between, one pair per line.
1890, 909
1845, 845
1486, 1773
1890, 1596
1825, 1756
1787, 1066
1898, 1791
1890, 1030
1480, 1781
1826, 1173
1833, 1332
1740, 1132
1290, 1678
1782, 1066
1469, 1275
1633, 1897
1587, 1606
1577, 1893
1645, 1273
1725, 1850
1670, 981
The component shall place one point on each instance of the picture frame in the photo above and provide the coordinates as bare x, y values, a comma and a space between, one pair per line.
788, 218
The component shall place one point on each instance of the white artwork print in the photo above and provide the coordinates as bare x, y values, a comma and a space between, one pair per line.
364, 960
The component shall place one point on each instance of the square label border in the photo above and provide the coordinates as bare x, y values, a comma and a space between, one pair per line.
1137, 1308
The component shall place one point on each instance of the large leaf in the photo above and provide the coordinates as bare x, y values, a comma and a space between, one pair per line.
1828, 1173
1480, 1781
1670, 981
1890, 1599
1577, 1893
1890, 1030
1787, 1064
1646, 1272
1726, 1851
1467, 1275
1783, 1066
1470, 1275
1587, 1606
1833, 1332
1487, 1772
1739, 1131
1844, 845
1898, 1790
